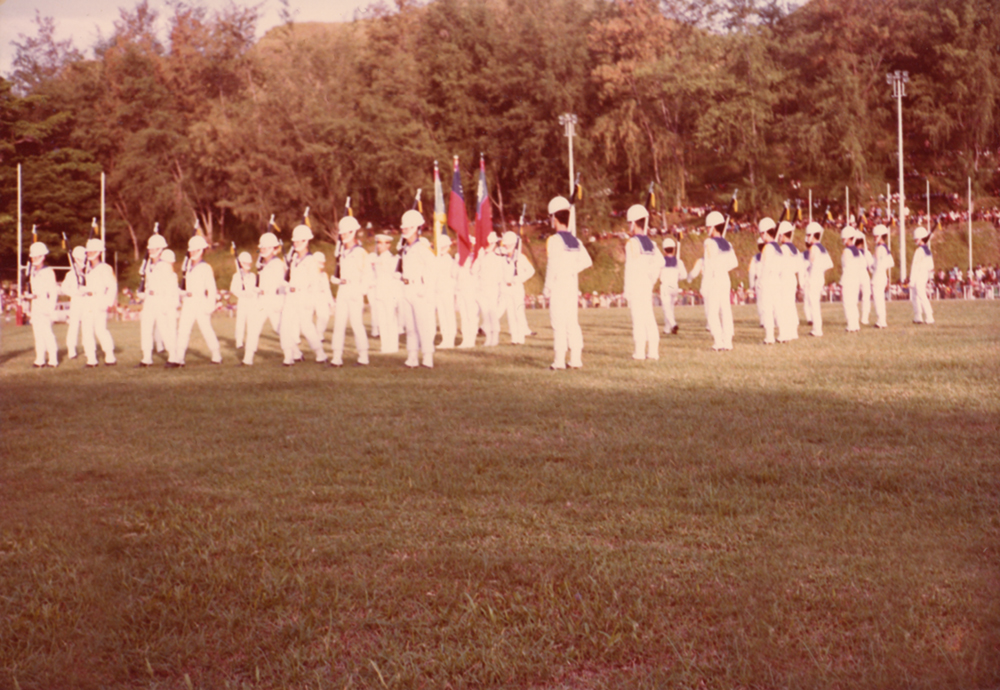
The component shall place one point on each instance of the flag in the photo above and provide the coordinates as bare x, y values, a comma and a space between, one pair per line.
798, 210
418, 202
829, 215
305, 218
348, 211
93, 229
484, 212
232, 249
577, 190
440, 217
458, 220
272, 224
34, 233
650, 199
734, 207
786, 212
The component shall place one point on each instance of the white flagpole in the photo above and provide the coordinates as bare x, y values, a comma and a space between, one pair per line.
970, 227
104, 253
810, 206
888, 216
19, 231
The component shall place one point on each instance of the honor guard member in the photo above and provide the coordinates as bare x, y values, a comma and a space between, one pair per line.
719, 259
792, 268
671, 274
417, 264
468, 301
43, 292
101, 292
819, 262
244, 288
388, 293
642, 268
489, 270
753, 279
852, 265
159, 308
324, 304
446, 269
352, 264
72, 287
880, 275
270, 294
567, 257
866, 281
198, 302
148, 333
769, 280
517, 271
921, 272
296, 315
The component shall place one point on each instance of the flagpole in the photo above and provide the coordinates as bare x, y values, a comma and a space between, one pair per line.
810, 205
970, 230
847, 205
888, 216
19, 231
103, 240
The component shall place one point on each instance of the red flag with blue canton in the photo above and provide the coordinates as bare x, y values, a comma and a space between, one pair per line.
457, 218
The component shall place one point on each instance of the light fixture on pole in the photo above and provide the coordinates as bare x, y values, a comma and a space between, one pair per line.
898, 80
569, 122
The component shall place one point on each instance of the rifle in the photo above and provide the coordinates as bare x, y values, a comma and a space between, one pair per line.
733, 207
418, 204
575, 195
338, 254
72, 264
516, 254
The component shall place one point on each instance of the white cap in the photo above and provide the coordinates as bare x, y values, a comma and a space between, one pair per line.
95, 245
79, 253
491, 239
301, 232
196, 243
245, 257
814, 228
444, 241
765, 224
268, 241
848, 233
558, 203
880, 230
920, 232
636, 212
156, 242
714, 218
348, 224
668, 243
785, 227
382, 237
509, 239
37, 249
412, 219
168, 256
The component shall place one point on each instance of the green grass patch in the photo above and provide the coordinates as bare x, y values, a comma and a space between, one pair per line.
822, 514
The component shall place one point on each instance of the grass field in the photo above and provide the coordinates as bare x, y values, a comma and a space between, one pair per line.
823, 514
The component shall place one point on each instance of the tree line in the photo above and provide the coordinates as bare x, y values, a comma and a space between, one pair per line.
698, 97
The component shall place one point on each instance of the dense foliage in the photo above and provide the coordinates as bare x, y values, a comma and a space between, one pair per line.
698, 97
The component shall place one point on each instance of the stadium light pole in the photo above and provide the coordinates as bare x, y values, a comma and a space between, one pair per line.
898, 81
569, 121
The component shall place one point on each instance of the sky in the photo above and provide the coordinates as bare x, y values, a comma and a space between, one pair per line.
82, 19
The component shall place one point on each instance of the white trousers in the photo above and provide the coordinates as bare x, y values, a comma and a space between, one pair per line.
787, 311
866, 299
468, 309
444, 304
191, 315
157, 322
849, 294
45, 339
813, 298
719, 313
645, 330
566, 333
386, 313
668, 297
489, 305
879, 283
256, 319
74, 323
418, 317
296, 323
767, 304
94, 326
921, 300
350, 308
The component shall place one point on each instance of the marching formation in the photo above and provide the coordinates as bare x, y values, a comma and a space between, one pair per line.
417, 292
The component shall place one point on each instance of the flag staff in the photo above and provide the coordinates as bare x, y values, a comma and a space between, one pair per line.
898, 81
19, 232
103, 239
810, 205
970, 230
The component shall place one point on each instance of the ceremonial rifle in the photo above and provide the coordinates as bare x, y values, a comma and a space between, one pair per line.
145, 262
520, 234
733, 207
72, 264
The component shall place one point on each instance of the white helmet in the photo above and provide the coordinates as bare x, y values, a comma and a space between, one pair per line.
348, 224
37, 249
785, 227
920, 232
765, 224
444, 241
848, 233
558, 203
168, 256
268, 241
636, 212
668, 243
156, 242
880, 230
79, 253
245, 257
509, 239
95, 245
714, 218
301, 232
197, 243
382, 237
814, 228
412, 219
491, 239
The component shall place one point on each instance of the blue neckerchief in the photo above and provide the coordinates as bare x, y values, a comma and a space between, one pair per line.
647, 244
723, 245
572, 244
927, 250
757, 256
822, 249
855, 251
794, 248
670, 261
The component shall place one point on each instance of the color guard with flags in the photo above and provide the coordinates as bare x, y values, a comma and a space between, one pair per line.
484, 211
440, 215
458, 219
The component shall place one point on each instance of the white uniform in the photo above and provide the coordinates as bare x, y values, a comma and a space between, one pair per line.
567, 257
73, 288
866, 286
768, 287
880, 281
819, 263
418, 302
45, 291
643, 262
753, 283
244, 288
788, 311
199, 297
270, 301
852, 266
102, 291
351, 304
446, 269
489, 273
921, 271
388, 293
718, 261
468, 306
159, 311
324, 304
517, 271
296, 314
671, 274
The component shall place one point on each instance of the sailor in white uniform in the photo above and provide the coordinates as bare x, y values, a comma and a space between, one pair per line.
880, 273
101, 293
244, 288
769, 280
417, 267
643, 262
921, 271
351, 277
517, 271
567, 257
388, 292
42, 295
296, 315
271, 289
719, 259
819, 262
852, 265
446, 270
159, 309
753, 278
671, 274
72, 287
791, 268
199, 295
489, 271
